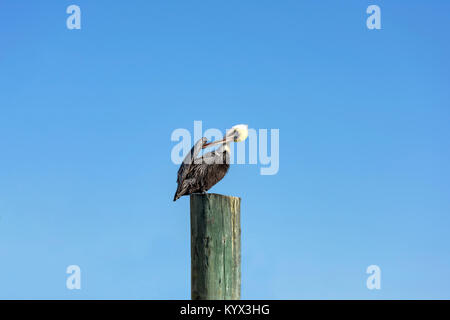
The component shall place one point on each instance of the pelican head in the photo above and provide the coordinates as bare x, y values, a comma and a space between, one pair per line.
237, 133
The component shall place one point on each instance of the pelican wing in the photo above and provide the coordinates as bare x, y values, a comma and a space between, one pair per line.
186, 166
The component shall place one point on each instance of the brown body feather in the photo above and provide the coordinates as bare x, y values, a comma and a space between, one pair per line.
197, 175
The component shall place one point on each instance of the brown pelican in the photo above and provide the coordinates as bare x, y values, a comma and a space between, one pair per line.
199, 174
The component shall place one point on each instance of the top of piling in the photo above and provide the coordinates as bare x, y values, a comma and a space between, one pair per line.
213, 195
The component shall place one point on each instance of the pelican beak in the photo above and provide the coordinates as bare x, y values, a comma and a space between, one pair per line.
226, 139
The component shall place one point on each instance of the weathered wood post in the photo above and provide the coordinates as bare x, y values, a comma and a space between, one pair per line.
215, 247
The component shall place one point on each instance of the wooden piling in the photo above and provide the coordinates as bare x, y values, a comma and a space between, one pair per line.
215, 247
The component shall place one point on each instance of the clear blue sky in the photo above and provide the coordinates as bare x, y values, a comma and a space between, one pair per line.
85, 123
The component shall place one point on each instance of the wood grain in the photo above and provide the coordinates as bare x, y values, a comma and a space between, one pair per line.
215, 247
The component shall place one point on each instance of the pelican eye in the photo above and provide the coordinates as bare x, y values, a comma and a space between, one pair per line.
236, 136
